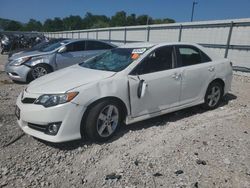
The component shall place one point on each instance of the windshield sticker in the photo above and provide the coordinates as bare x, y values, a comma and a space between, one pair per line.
139, 51
135, 56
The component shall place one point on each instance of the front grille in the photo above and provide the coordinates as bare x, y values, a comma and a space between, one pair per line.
28, 100
37, 127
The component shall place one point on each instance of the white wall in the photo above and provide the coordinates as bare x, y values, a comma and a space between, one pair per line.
211, 33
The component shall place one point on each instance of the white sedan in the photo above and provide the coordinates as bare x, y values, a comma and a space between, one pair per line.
128, 84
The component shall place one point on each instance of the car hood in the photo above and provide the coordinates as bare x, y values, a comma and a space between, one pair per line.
66, 79
27, 54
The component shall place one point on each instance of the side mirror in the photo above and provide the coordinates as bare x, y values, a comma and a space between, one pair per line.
62, 49
141, 89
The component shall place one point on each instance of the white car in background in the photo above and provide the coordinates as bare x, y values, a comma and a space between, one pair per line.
127, 84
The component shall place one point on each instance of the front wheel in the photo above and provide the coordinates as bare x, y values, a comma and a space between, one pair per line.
213, 96
39, 70
102, 121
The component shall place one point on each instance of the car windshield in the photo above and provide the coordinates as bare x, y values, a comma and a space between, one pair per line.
113, 60
44, 44
52, 47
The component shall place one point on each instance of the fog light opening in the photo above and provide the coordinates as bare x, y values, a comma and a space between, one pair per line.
53, 128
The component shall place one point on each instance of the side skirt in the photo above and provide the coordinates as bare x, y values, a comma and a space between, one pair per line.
130, 120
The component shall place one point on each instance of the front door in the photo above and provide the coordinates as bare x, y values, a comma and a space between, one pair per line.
75, 53
163, 83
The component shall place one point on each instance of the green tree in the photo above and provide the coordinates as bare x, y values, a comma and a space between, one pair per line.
93, 21
144, 20
100, 24
33, 25
48, 25
163, 21
14, 26
58, 24
72, 22
131, 20
53, 25
119, 19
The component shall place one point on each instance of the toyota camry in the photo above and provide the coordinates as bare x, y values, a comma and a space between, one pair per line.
127, 84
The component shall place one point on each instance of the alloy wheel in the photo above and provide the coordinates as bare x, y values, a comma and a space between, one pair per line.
107, 120
214, 96
38, 72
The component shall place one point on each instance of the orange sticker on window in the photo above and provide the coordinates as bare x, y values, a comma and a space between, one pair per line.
135, 56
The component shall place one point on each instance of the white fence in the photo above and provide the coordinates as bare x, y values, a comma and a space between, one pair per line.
226, 38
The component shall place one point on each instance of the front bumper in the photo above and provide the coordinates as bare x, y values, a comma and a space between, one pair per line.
17, 73
69, 114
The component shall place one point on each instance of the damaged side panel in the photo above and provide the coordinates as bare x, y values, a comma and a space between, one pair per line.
109, 87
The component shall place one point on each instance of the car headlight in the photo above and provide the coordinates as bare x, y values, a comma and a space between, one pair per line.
49, 100
19, 61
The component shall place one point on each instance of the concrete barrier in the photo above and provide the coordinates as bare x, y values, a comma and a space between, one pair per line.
226, 38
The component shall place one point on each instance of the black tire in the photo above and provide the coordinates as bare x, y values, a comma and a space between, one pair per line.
32, 74
217, 87
92, 122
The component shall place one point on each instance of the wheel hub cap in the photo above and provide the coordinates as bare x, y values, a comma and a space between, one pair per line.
214, 96
107, 120
38, 72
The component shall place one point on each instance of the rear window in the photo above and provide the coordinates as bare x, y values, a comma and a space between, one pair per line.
96, 45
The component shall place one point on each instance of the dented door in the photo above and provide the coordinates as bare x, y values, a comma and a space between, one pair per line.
162, 92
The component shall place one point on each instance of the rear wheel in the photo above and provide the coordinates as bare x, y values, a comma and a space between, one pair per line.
102, 121
213, 96
39, 70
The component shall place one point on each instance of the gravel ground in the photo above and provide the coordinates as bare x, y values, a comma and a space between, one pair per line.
188, 148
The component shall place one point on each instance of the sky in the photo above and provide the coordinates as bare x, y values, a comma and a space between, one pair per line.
180, 10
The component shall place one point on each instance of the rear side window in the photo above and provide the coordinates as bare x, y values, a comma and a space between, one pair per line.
76, 46
189, 55
96, 45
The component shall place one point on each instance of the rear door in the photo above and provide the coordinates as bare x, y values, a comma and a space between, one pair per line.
75, 53
94, 48
197, 72
163, 83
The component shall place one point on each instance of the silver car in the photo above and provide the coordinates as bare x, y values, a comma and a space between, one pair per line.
28, 66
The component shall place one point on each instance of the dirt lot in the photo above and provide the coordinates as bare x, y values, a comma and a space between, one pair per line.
189, 148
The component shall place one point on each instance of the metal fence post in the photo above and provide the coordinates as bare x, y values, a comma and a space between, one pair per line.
229, 39
96, 35
180, 33
87, 35
125, 35
148, 33
109, 35
78, 34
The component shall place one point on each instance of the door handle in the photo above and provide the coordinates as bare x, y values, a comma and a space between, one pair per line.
176, 76
211, 69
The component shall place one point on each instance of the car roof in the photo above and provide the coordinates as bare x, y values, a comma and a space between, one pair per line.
151, 44
211, 54
75, 40
138, 45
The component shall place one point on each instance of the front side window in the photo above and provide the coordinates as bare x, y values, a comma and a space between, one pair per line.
159, 60
115, 60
